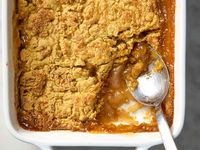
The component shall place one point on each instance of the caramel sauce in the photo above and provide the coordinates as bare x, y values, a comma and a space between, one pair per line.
115, 95
166, 49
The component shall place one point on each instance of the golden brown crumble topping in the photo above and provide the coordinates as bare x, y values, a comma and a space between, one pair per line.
67, 50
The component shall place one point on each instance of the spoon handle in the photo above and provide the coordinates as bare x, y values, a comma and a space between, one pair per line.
164, 130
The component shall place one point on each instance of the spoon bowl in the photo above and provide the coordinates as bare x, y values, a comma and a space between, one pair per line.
154, 84
151, 90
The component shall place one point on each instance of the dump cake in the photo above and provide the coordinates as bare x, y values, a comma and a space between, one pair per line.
73, 58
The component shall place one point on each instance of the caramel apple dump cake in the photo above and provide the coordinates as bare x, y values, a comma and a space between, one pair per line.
74, 56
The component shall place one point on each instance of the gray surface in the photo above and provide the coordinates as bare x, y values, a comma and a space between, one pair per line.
190, 136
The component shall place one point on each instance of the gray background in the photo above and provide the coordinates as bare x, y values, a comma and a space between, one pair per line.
189, 139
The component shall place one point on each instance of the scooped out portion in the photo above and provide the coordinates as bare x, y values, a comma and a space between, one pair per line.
74, 57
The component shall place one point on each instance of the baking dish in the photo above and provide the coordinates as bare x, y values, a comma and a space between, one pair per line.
67, 138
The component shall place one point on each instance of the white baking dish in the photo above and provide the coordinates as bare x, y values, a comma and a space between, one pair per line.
67, 138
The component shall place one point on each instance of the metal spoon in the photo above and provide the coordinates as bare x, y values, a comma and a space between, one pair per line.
151, 90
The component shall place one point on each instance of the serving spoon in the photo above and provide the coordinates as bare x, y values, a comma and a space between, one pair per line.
151, 90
